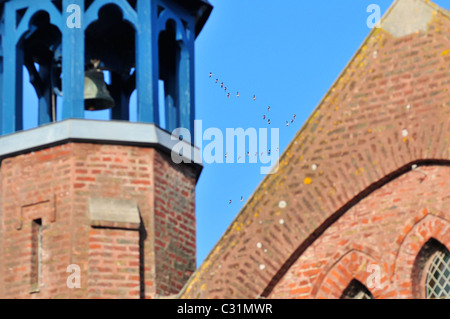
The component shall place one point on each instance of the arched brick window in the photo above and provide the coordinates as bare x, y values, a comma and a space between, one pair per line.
438, 275
432, 271
356, 290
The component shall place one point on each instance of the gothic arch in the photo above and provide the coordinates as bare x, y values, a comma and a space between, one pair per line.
356, 290
48, 7
37, 48
180, 33
117, 52
405, 273
92, 13
341, 212
352, 265
175, 69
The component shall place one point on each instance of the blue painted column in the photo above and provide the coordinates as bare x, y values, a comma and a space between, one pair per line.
73, 65
11, 112
186, 87
147, 64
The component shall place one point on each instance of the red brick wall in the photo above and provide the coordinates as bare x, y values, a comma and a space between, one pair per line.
113, 172
55, 184
175, 226
388, 228
35, 186
113, 263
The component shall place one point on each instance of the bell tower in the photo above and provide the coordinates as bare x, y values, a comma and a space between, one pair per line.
97, 208
63, 43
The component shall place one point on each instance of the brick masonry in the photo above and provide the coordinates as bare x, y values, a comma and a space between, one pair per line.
388, 110
113, 264
55, 184
385, 229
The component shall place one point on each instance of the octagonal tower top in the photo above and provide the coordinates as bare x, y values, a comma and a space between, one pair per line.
136, 44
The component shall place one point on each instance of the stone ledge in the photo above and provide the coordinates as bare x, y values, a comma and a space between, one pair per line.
114, 213
93, 131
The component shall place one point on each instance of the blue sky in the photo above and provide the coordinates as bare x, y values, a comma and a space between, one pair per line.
287, 53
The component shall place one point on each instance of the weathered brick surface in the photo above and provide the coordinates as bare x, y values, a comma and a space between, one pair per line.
386, 229
113, 263
388, 110
55, 184
34, 186
175, 226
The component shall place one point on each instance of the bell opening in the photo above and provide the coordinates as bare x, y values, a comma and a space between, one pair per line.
110, 49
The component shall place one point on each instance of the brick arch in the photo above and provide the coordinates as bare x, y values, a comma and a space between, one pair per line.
353, 265
405, 275
387, 179
398, 214
338, 256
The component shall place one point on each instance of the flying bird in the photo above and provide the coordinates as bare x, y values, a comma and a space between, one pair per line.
228, 95
254, 97
221, 85
264, 117
210, 74
229, 202
217, 80
268, 108
268, 121
237, 95
242, 198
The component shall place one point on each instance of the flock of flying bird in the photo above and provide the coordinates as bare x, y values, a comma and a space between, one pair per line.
264, 117
254, 99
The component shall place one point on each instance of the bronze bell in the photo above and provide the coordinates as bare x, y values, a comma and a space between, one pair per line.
96, 94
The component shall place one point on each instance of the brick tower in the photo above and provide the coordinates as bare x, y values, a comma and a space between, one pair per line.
97, 209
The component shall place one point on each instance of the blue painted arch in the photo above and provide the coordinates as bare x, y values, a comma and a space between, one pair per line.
128, 13
164, 18
48, 7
